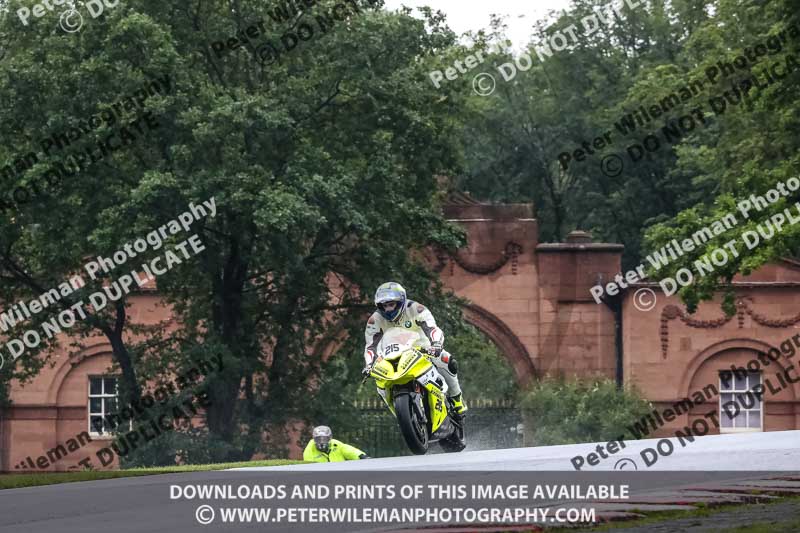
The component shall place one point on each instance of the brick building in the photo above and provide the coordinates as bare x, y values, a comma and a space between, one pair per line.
533, 301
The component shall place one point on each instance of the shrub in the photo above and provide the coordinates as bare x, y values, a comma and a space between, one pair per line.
194, 446
566, 412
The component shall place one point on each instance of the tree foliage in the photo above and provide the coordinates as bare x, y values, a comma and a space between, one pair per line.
515, 136
322, 166
326, 166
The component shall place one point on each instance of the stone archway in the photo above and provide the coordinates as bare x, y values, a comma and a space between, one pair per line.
504, 339
485, 321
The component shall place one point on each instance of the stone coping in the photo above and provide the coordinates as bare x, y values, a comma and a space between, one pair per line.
580, 247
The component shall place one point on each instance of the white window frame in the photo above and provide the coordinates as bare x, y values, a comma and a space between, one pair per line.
103, 396
750, 383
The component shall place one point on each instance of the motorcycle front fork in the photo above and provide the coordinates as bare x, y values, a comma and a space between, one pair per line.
417, 405
419, 408
382, 394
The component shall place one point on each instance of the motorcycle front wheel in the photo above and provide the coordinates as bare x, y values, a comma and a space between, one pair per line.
411, 427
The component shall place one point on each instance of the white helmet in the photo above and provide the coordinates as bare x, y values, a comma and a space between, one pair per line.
391, 292
322, 437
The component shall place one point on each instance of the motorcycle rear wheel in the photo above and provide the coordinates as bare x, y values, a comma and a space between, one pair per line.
413, 430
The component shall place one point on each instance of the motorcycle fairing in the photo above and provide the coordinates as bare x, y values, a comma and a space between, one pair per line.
402, 363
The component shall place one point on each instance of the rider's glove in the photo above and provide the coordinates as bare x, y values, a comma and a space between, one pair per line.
366, 371
436, 348
363, 456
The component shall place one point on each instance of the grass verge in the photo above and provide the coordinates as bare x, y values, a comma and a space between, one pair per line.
17, 481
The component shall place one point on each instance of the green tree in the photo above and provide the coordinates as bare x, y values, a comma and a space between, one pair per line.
322, 165
515, 137
747, 150
50, 226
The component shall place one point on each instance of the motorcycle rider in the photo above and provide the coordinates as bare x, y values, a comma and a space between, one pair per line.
322, 448
395, 310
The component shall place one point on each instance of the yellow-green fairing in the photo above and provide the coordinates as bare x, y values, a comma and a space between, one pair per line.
411, 365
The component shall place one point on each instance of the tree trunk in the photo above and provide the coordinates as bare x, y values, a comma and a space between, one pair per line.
131, 389
227, 312
121, 355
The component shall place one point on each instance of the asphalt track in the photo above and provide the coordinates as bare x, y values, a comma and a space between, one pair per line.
143, 504
770, 451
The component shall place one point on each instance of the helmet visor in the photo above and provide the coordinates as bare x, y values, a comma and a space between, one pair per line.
389, 309
388, 295
322, 442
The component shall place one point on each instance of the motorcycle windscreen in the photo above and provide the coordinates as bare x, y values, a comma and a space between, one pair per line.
397, 341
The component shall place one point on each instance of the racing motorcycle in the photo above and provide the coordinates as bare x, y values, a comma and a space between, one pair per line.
416, 393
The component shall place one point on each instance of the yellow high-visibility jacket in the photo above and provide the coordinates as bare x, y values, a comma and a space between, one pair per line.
338, 451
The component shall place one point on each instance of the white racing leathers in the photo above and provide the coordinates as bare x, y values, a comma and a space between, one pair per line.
416, 317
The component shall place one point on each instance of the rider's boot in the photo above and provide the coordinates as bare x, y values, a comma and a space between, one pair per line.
459, 405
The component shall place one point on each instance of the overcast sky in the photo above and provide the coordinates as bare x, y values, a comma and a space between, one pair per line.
464, 15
